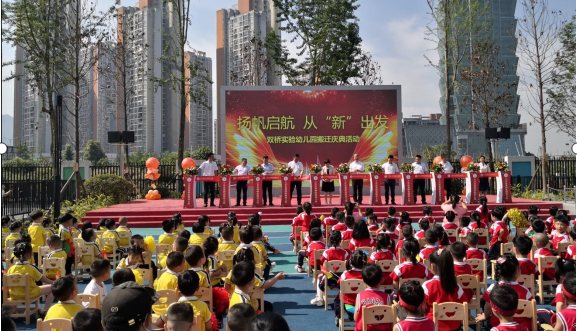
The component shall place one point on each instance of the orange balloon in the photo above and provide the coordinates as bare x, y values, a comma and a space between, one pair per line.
152, 163
464, 191
188, 163
437, 160
466, 160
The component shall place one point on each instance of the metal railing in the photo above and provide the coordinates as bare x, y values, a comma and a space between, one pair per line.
568, 193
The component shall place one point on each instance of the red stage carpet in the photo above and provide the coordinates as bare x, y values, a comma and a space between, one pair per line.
149, 214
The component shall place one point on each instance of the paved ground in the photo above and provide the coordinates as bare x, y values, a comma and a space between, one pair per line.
290, 297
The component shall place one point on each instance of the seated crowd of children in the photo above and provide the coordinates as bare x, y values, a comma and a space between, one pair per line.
414, 270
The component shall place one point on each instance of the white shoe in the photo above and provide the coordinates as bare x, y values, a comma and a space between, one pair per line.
319, 302
272, 265
299, 269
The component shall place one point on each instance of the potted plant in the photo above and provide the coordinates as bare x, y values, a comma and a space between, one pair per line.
474, 167
192, 171
406, 167
436, 168
257, 170
375, 168
343, 168
501, 166
285, 169
225, 170
315, 168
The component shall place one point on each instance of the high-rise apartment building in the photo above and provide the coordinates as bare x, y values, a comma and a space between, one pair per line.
200, 116
470, 139
235, 27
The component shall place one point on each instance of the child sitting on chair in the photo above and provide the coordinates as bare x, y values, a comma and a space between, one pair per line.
64, 290
371, 296
55, 245
412, 299
504, 302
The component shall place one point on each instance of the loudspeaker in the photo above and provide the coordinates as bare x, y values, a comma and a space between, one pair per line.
127, 137
504, 133
491, 133
58, 101
114, 137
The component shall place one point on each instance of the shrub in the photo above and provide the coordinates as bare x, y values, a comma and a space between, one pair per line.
81, 207
113, 186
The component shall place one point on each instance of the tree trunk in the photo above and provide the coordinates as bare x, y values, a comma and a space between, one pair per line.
447, 88
183, 96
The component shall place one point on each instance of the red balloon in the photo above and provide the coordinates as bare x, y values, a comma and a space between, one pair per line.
188, 163
466, 160
152, 163
437, 160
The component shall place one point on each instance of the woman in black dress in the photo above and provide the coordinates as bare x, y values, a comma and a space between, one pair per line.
483, 182
328, 185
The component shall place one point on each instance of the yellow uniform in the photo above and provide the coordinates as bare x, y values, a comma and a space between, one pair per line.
12, 236
198, 307
197, 239
66, 237
63, 309
165, 239
167, 281
258, 281
5, 233
179, 228
239, 296
87, 260
34, 275
75, 232
36, 233
202, 276
257, 256
262, 252
227, 246
236, 234
51, 273
124, 241
213, 264
50, 230
208, 232
110, 234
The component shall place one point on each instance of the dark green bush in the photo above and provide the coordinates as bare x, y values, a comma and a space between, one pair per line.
113, 186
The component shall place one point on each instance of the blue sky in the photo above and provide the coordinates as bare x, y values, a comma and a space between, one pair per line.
392, 30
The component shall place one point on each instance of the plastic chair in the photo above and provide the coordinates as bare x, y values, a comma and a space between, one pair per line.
528, 281
146, 275
53, 263
18, 280
304, 235
124, 235
167, 297
470, 282
562, 248
375, 315
162, 250
60, 324
8, 251
351, 286
113, 257
367, 249
225, 256
338, 267
483, 233
451, 311
507, 248
422, 242
43, 251
479, 265
318, 253
546, 262
92, 299
205, 294
387, 266
296, 243
373, 234
80, 269
527, 309
78, 242
452, 233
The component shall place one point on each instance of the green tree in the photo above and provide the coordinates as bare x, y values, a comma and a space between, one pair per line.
23, 152
68, 153
454, 25
562, 90
93, 152
201, 153
326, 33
431, 151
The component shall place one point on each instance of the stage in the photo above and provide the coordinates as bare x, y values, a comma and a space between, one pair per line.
150, 213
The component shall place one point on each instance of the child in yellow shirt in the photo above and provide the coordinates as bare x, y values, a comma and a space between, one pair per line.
246, 239
188, 284
133, 258
167, 238
36, 232
180, 244
198, 237
65, 235
194, 256
123, 227
15, 229
5, 228
111, 233
23, 253
85, 225
178, 226
216, 270
233, 223
55, 245
64, 290
47, 224
74, 228
243, 279
247, 255
227, 244
169, 279
205, 221
259, 245
89, 237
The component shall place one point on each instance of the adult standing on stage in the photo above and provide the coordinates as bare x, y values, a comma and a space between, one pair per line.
483, 182
267, 184
419, 168
357, 167
447, 169
328, 184
390, 168
298, 171
209, 168
241, 185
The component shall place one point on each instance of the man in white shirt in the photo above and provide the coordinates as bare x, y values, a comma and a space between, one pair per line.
267, 184
298, 171
357, 167
419, 168
241, 185
447, 169
390, 168
209, 168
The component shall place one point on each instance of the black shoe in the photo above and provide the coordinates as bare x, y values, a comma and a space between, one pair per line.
393, 203
238, 205
386, 202
205, 205
360, 203
270, 204
212, 205
424, 202
244, 204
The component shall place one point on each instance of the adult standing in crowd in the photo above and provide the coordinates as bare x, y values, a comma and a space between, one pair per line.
447, 169
328, 184
267, 184
357, 167
241, 185
298, 171
419, 184
209, 168
483, 182
390, 168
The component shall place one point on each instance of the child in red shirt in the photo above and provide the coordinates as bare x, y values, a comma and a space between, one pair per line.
307, 216
540, 240
504, 301
330, 221
464, 228
405, 220
388, 227
483, 210
297, 221
566, 317
428, 214
355, 267
450, 217
476, 223
407, 232
551, 219
499, 232
334, 252
382, 252
411, 268
412, 299
392, 212
372, 222
570, 254
361, 236
315, 223
442, 237
316, 236
563, 269
459, 252
371, 296
340, 226
522, 248
560, 235
431, 239
350, 223
473, 252
424, 225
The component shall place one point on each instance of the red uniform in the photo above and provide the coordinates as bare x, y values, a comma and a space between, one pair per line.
334, 254
528, 267
354, 273
484, 217
476, 253
425, 252
567, 318
549, 223
328, 223
410, 270
416, 324
549, 272
348, 234
311, 251
340, 227
372, 297
559, 238
473, 226
495, 229
452, 226
522, 292
435, 293
307, 220
399, 228
462, 268
420, 234
297, 221
465, 231
513, 326
383, 254
367, 242
373, 227
430, 219
399, 245
558, 295
391, 235
570, 254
